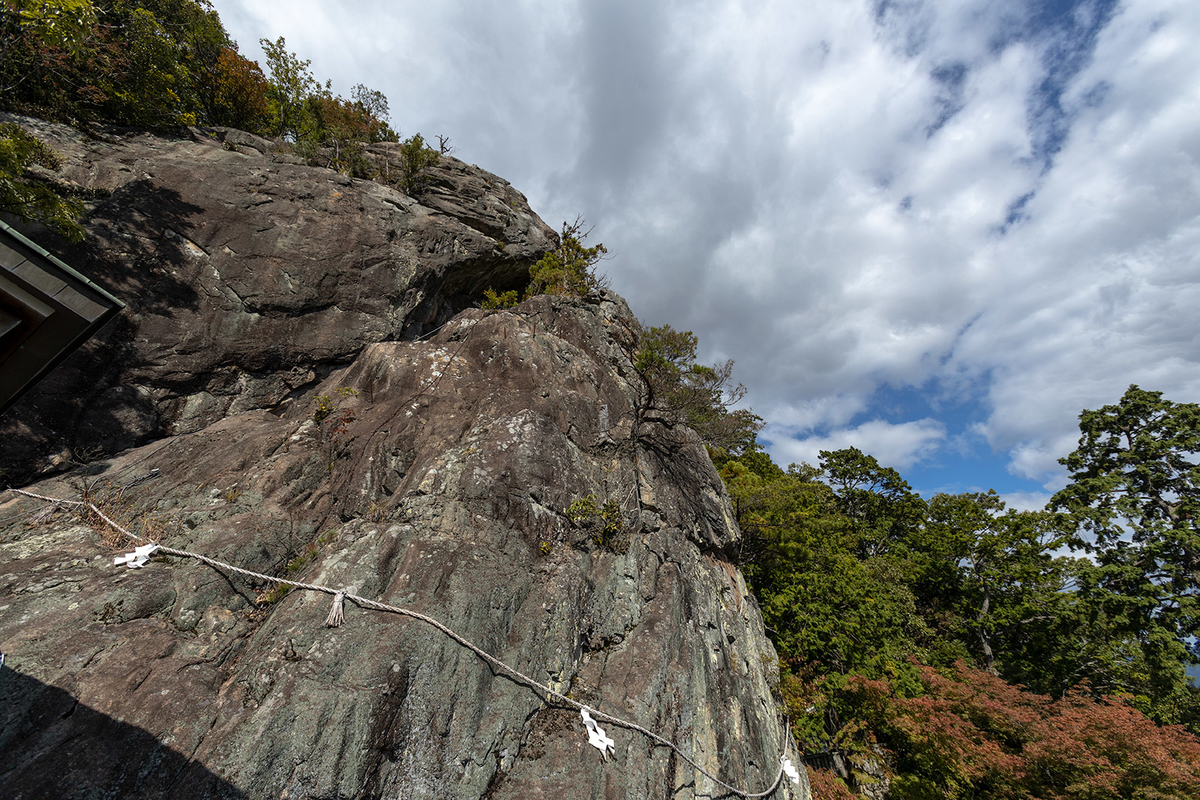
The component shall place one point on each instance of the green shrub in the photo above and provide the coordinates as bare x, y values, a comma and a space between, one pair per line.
415, 158
582, 509
495, 302
569, 269
325, 407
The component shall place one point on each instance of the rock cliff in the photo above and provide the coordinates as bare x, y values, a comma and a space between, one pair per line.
249, 277
300, 387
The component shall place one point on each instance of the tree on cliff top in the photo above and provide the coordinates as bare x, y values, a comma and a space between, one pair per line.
149, 63
570, 268
680, 390
291, 84
326, 129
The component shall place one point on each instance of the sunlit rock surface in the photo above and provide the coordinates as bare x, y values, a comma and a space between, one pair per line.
292, 424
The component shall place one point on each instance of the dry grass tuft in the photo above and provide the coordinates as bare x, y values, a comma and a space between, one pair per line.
125, 509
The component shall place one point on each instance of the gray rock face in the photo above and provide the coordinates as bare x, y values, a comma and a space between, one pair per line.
489, 476
248, 277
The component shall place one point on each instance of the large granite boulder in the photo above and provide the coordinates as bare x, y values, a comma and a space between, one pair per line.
491, 474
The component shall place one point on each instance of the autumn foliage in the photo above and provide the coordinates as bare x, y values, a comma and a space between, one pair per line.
964, 733
239, 92
827, 787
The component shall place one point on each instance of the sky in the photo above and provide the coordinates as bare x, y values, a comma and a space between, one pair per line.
935, 231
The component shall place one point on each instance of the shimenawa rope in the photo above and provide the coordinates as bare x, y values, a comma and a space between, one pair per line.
335, 619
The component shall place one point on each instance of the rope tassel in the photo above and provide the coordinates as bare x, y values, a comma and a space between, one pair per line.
336, 618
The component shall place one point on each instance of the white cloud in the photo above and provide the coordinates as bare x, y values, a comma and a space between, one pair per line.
1025, 501
893, 445
821, 191
810, 415
1104, 273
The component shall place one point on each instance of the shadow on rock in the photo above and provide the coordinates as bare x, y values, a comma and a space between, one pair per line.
137, 248
53, 746
138, 240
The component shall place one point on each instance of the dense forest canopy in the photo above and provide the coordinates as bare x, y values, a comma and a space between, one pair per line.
967, 649
946, 646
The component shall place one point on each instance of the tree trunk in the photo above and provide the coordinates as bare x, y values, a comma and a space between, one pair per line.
989, 658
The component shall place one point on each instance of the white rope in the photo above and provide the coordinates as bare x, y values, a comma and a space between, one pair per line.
346, 594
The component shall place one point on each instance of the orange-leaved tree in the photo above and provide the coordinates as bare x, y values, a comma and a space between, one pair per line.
964, 733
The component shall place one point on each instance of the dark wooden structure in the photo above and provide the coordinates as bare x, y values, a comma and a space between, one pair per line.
47, 310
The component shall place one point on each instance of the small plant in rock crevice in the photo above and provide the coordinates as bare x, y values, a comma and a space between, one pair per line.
376, 512
326, 405
296, 561
612, 526
582, 509
306, 557
607, 517
273, 594
334, 422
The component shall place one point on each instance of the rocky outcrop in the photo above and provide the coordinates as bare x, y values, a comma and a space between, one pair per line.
489, 475
249, 277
